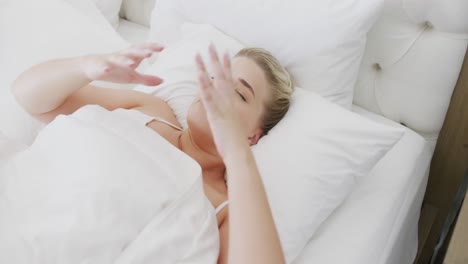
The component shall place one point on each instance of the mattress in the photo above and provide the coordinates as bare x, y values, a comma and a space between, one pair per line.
378, 222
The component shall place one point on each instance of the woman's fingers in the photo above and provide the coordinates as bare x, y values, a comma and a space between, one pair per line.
201, 66
137, 54
203, 79
141, 51
206, 86
151, 46
207, 94
227, 66
218, 71
223, 71
223, 76
122, 61
149, 80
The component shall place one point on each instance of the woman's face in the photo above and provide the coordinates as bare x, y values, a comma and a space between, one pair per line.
251, 96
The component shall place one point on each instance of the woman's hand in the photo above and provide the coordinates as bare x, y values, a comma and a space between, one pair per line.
218, 99
249, 231
119, 67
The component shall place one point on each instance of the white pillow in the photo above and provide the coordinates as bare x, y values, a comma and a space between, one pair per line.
309, 162
89, 8
34, 31
320, 42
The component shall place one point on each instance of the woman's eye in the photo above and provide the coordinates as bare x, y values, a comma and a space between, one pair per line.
242, 97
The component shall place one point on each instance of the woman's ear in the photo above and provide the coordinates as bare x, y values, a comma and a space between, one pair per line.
256, 136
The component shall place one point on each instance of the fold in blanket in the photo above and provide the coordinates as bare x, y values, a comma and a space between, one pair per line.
97, 186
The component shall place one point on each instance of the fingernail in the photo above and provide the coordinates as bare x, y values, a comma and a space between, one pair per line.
198, 58
158, 82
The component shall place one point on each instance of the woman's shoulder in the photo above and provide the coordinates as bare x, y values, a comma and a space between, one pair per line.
158, 108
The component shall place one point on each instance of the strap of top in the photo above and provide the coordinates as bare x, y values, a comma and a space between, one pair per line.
221, 206
162, 120
144, 118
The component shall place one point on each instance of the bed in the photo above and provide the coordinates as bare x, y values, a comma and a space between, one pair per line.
387, 201
378, 222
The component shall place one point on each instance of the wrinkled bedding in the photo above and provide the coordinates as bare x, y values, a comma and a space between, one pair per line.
99, 187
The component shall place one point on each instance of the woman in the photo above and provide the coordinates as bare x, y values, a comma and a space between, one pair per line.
239, 104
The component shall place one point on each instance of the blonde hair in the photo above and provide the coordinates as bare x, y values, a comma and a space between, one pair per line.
281, 82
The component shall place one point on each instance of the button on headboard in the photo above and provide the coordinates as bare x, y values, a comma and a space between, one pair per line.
413, 58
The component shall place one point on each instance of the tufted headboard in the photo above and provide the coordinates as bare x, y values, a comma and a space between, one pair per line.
413, 58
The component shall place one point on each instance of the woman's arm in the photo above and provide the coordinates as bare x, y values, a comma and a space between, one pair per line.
253, 237
46, 86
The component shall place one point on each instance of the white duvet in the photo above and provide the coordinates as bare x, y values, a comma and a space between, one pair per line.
98, 186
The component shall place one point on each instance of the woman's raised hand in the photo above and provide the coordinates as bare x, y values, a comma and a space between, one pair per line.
218, 97
119, 67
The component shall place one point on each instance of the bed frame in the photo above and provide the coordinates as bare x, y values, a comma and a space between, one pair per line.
448, 166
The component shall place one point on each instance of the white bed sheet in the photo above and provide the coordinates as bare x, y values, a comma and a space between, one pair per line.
378, 222
132, 32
